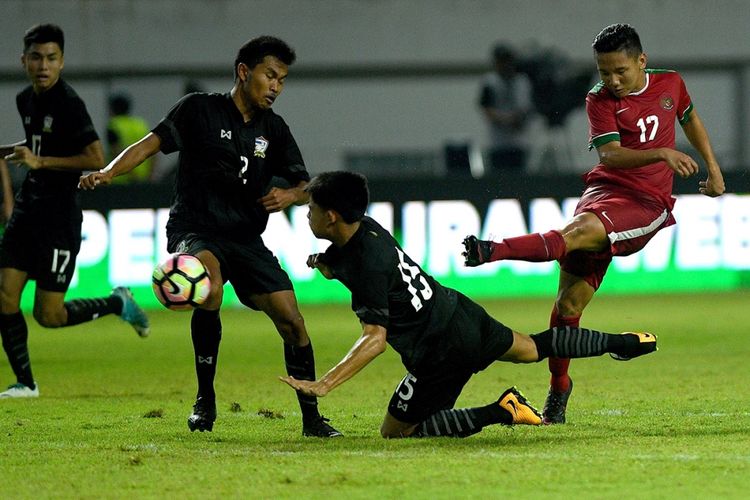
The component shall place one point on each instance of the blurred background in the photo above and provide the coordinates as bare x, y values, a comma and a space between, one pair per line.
378, 77
394, 89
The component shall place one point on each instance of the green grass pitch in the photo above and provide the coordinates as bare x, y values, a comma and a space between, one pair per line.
111, 419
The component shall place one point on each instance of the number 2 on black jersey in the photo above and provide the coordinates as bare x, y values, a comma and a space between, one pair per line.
245, 164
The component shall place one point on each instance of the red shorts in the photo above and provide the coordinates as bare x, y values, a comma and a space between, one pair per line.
630, 223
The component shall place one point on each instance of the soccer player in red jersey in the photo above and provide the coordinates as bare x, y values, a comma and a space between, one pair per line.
628, 195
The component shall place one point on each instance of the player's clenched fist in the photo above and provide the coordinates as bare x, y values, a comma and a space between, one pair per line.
315, 261
90, 181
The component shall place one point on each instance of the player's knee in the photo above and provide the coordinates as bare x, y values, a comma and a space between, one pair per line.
526, 349
392, 428
8, 303
569, 306
215, 296
577, 238
522, 350
387, 433
292, 329
49, 318
586, 232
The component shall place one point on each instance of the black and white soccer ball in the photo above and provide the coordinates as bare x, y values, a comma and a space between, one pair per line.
181, 282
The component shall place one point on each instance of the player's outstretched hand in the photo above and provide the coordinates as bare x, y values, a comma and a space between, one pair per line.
94, 179
315, 261
307, 387
712, 186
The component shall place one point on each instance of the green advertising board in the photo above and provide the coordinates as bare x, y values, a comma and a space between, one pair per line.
708, 249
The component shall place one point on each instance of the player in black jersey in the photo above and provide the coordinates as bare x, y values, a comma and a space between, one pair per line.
43, 237
442, 336
231, 146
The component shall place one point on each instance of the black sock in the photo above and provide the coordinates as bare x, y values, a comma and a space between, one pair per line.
83, 310
462, 422
205, 329
574, 342
15, 336
300, 364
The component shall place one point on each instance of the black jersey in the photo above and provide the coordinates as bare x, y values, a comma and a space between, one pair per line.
391, 290
57, 124
225, 164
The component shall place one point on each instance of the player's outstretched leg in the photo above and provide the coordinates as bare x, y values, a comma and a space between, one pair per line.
511, 408
132, 312
476, 251
535, 247
573, 342
203, 416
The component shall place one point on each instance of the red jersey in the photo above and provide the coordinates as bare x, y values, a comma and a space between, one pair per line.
640, 120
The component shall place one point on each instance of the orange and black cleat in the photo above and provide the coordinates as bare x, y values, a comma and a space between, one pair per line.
519, 408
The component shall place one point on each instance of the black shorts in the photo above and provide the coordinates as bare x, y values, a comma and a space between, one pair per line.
250, 267
472, 342
46, 252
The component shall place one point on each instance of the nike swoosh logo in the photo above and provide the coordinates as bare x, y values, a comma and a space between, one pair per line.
622, 110
513, 404
604, 214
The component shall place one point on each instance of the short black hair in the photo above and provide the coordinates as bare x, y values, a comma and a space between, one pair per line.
617, 37
119, 103
345, 192
44, 33
503, 53
253, 52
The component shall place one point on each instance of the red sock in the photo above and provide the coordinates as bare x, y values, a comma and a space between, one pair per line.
558, 367
535, 247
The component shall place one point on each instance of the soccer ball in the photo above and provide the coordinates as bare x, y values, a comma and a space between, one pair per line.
181, 282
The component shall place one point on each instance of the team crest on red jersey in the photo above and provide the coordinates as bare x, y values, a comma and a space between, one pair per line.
666, 102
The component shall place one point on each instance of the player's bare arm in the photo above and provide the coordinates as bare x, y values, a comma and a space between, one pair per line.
370, 345
279, 199
91, 157
126, 161
696, 133
614, 155
315, 261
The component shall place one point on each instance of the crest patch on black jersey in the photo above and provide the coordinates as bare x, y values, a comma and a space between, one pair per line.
261, 144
